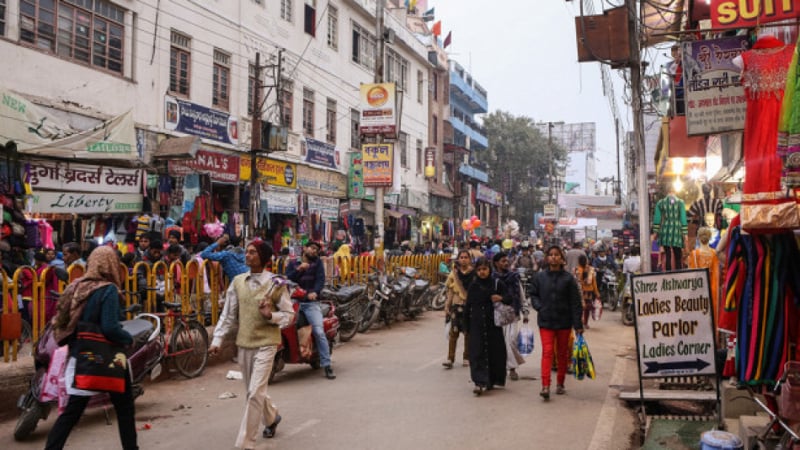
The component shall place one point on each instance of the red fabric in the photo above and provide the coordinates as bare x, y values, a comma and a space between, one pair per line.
561, 338
764, 77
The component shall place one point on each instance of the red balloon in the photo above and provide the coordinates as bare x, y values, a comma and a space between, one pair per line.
476, 223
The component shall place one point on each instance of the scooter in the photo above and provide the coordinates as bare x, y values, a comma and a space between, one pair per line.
290, 350
351, 303
144, 357
626, 303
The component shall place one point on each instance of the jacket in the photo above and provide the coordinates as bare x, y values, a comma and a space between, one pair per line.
556, 297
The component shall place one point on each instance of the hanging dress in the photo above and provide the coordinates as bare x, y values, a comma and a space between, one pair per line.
789, 127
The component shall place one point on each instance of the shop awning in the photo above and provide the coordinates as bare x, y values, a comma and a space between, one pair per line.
680, 144
178, 148
440, 190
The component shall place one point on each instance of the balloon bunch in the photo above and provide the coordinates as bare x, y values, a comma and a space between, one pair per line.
470, 224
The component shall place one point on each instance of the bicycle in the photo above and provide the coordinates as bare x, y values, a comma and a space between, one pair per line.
188, 338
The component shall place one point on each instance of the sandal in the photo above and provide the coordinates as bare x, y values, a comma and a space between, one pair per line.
560, 389
448, 364
545, 393
478, 390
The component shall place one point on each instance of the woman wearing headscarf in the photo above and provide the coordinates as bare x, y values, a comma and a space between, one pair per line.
93, 297
342, 260
457, 283
487, 345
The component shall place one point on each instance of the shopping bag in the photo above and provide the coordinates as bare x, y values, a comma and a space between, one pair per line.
54, 379
597, 309
582, 363
100, 365
525, 340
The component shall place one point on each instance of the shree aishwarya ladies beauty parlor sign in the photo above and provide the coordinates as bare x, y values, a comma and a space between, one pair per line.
674, 324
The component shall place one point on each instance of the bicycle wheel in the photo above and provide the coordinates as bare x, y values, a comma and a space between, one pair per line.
189, 344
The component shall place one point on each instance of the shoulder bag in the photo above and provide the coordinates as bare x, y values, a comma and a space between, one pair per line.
503, 314
100, 364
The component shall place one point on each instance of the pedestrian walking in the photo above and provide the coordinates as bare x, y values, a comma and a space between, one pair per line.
487, 346
93, 298
555, 295
587, 279
458, 281
514, 290
258, 304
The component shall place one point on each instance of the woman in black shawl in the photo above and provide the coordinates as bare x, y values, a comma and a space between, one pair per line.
487, 347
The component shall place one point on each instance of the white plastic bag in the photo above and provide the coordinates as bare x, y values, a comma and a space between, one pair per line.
525, 340
447, 326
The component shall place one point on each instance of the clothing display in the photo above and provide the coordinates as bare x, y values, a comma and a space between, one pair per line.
669, 224
789, 127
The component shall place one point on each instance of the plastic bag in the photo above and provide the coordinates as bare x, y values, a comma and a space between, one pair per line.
448, 325
582, 363
525, 340
597, 309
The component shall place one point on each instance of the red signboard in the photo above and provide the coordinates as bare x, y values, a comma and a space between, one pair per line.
751, 13
220, 166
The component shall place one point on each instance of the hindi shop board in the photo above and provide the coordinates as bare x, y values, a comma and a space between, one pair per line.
674, 324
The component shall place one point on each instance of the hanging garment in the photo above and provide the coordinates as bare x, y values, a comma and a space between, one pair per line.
764, 74
701, 258
669, 221
789, 126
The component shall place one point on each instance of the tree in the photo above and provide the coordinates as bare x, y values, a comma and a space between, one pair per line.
518, 160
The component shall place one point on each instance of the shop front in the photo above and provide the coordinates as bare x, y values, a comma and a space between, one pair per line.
322, 190
489, 202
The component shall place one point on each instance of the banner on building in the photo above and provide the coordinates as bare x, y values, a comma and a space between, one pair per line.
64, 176
715, 99
322, 154
378, 110
321, 182
83, 203
190, 118
327, 207
488, 195
355, 177
219, 166
751, 13
377, 160
281, 202
270, 171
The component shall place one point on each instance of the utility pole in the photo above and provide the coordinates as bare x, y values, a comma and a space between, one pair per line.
638, 136
619, 176
255, 145
379, 138
550, 180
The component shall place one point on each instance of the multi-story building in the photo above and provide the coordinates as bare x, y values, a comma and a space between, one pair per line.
187, 69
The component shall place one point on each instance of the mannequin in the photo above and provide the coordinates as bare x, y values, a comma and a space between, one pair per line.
669, 223
706, 258
710, 220
708, 204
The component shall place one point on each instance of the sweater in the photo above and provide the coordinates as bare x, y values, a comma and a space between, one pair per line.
255, 330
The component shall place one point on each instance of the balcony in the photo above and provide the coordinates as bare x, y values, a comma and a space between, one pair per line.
464, 129
470, 94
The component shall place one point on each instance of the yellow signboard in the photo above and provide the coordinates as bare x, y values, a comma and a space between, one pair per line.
272, 171
377, 164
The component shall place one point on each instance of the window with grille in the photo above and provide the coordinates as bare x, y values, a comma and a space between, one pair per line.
310, 17
222, 75
420, 85
180, 59
2, 17
333, 27
363, 47
420, 158
286, 10
251, 85
401, 142
308, 112
287, 102
396, 69
330, 122
91, 32
355, 123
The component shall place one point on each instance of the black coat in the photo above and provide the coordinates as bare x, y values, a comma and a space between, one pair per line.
487, 345
556, 297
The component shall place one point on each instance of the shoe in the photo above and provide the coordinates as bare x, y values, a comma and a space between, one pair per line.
512, 374
545, 392
478, 390
269, 432
465, 363
448, 364
560, 389
329, 373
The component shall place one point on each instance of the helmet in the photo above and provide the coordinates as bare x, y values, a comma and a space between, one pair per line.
507, 244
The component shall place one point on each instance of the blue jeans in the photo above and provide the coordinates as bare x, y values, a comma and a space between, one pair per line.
314, 316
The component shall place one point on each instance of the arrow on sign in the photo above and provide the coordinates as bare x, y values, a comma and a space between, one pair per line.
655, 366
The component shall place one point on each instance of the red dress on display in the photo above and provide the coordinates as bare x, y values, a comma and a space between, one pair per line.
764, 74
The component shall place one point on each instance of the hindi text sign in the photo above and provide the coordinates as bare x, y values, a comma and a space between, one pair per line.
377, 165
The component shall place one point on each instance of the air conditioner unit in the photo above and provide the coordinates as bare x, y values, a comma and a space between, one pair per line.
388, 36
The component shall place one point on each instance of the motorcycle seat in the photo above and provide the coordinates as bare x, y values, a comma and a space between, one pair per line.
420, 285
348, 293
138, 328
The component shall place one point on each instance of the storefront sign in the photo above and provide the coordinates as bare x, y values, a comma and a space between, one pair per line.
322, 154
550, 210
220, 166
198, 120
355, 177
430, 162
377, 160
674, 324
84, 203
488, 195
281, 202
321, 182
378, 114
355, 205
751, 13
715, 100
79, 177
327, 207
272, 171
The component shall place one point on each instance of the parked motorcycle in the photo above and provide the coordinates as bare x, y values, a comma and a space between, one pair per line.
626, 303
351, 303
290, 350
608, 287
144, 357
378, 291
416, 296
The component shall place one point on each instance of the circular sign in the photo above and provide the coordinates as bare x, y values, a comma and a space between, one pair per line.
288, 175
377, 96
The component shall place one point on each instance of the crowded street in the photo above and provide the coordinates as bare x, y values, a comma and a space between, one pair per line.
391, 393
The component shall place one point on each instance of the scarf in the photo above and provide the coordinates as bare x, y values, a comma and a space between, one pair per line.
455, 284
103, 269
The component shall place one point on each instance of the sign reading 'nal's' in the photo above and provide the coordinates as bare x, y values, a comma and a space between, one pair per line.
674, 323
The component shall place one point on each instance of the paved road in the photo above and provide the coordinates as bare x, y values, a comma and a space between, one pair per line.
391, 393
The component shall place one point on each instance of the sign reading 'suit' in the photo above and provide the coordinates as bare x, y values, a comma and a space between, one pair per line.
674, 324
